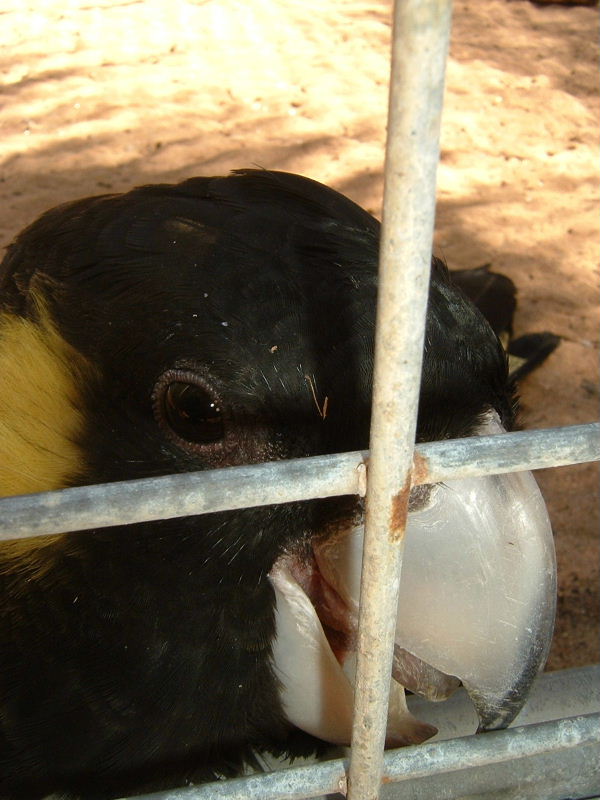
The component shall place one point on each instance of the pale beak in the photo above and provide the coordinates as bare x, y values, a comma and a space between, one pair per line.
477, 603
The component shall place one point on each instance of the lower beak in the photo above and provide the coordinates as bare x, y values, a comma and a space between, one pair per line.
476, 605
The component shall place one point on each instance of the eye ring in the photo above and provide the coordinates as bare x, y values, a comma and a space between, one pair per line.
188, 410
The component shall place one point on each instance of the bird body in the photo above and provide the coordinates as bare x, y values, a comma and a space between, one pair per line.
217, 322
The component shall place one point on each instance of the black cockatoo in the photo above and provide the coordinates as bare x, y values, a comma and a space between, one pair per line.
218, 322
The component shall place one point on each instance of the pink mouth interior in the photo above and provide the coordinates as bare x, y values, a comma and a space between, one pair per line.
317, 613
338, 623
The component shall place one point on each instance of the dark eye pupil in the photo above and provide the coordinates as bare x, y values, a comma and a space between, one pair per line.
192, 413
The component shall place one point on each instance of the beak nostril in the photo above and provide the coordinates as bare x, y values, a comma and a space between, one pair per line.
420, 496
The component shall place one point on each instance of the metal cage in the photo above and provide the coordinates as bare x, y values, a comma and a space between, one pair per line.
553, 753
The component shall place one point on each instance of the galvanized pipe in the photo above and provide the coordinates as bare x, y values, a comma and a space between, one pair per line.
510, 452
552, 760
297, 783
86, 507
180, 495
420, 38
503, 751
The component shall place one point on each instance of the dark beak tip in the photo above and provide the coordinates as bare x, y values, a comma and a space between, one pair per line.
497, 718
496, 713
495, 725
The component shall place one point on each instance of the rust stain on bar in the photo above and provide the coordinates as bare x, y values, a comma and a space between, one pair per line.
399, 511
420, 470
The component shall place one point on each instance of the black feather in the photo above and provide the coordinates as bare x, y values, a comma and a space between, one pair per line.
495, 296
138, 658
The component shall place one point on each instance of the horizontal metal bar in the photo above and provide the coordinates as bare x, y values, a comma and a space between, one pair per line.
296, 783
86, 507
548, 761
508, 452
508, 753
180, 495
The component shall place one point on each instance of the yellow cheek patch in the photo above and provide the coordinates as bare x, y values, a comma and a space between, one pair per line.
41, 410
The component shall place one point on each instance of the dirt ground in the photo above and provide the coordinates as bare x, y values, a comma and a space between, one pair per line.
101, 95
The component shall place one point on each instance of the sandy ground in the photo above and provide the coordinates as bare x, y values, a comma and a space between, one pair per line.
102, 95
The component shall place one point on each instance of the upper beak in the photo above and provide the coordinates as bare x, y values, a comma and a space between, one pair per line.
478, 590
477, 603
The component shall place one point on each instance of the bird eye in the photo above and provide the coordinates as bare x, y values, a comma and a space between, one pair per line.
189, 410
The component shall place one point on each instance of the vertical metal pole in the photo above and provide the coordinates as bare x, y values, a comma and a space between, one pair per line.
419, 48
